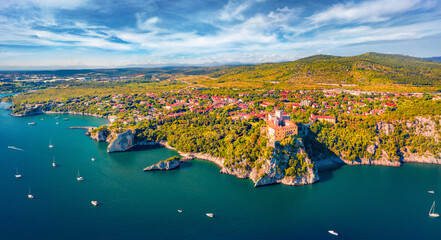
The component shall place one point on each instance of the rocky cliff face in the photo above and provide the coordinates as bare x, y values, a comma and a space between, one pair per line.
122, 142
100, 136
273, 169
164, 165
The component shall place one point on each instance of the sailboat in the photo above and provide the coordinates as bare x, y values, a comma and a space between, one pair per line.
16, 173
53, 162
432, 212
79, 178
30, 196
50, 143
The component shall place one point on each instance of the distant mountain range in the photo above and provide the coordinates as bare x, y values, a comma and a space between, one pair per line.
435, 59
368, 68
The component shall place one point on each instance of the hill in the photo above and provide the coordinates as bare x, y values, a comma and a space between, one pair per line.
435, 59
369, 68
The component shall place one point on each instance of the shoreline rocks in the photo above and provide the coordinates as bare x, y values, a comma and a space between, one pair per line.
28, 112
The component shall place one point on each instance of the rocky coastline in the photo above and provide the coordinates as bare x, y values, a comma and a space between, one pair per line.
75, 113
270, 173
37, 111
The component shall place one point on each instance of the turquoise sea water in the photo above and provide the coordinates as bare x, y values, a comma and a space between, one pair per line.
359, 202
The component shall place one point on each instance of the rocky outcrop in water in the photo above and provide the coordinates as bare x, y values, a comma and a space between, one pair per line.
164, 165
122, 142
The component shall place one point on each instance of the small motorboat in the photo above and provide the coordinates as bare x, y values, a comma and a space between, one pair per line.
32, 123
431, 191
93, 159
65, 119
53, 162
180, 210
210, 215
333, 232
94, 203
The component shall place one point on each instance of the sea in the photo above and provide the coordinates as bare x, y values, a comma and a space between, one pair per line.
358, 202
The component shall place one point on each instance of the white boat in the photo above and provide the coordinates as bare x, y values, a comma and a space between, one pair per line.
431, 191
32, 123
180, 210
94, 203
432, 212
30, 196
333, 232
93, 159
57, 117
210, 215
53, 162
50, 144
79, 178
57, 122
65, 119
16, 173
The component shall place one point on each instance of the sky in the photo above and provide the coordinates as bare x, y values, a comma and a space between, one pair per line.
71, 34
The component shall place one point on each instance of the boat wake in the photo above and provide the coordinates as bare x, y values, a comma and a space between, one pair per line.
15, 148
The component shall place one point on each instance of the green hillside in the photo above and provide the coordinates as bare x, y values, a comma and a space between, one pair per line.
362, 69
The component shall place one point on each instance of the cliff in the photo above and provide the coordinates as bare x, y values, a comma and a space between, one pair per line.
391, 143
100, 135
164, 165
122, 142
288, 164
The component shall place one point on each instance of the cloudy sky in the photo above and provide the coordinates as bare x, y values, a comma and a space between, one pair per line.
53, 34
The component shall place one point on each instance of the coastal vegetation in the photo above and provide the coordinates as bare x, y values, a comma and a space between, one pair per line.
223, 112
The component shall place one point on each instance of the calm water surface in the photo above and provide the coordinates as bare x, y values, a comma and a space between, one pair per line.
359, 202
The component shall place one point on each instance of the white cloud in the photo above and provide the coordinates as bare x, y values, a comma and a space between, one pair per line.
234, 9
244, 34
45, 4
368, 11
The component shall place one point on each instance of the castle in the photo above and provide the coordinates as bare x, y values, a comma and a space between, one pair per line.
279, 126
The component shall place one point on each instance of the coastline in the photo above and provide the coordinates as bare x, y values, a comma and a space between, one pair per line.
75, 113
190, 156
322, 164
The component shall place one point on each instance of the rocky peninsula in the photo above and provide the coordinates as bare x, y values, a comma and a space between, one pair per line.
271, 170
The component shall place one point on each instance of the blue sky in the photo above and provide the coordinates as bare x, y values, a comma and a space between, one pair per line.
54, 34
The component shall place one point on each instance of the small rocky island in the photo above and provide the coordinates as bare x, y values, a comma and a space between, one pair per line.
168, 164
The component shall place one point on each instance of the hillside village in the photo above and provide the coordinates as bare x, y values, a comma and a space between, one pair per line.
298, 106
